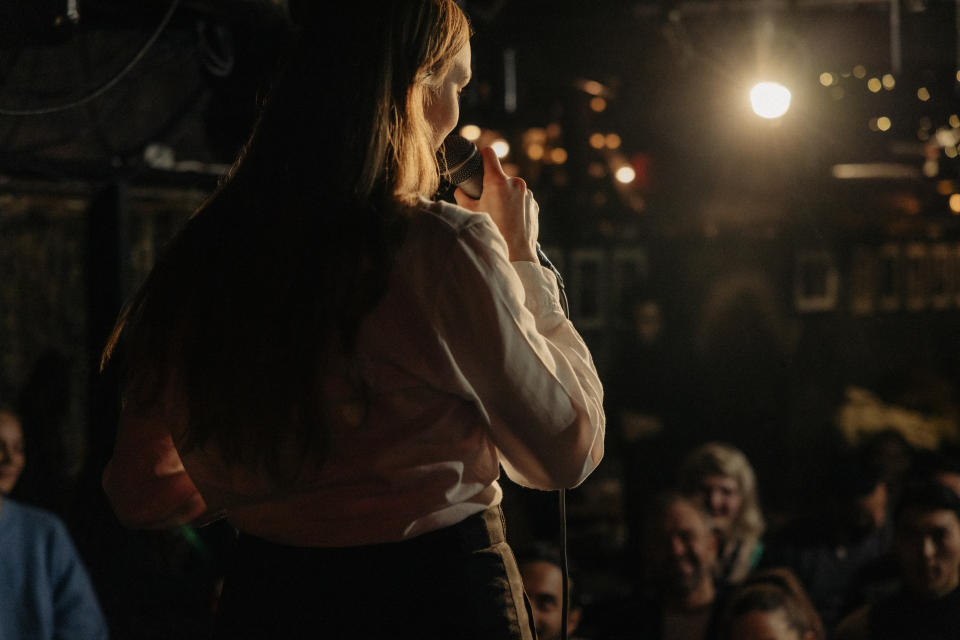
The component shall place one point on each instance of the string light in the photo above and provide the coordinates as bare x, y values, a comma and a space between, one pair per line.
470, 131
625, 174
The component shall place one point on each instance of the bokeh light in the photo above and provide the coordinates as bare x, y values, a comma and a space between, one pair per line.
471, 132
625, 174
597, 141
955, 203
884, 123
501, 148
889, 82
827, 78
598, 104
874, 85
612, 141
923, 93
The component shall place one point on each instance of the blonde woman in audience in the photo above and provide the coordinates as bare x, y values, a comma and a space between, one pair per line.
719, 477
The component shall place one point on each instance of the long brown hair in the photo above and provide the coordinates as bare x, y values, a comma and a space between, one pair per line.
256, 301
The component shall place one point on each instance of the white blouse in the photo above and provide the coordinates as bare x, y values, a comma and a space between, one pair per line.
467, 363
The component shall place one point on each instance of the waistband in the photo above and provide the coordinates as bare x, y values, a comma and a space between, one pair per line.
475, 532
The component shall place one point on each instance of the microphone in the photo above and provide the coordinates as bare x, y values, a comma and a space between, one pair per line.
461, 164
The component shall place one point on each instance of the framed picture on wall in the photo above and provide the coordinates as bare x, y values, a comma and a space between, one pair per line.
916, 276
816, 281
585, 288
863, 280
889, 277
942, 276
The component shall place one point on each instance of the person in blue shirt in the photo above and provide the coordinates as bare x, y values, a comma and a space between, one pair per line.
45, 592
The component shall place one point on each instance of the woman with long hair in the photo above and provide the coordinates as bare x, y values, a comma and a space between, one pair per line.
340, 366
720, 478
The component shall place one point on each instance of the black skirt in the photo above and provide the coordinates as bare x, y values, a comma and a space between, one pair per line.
461, 582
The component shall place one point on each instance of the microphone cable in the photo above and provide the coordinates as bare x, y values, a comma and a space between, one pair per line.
564, 569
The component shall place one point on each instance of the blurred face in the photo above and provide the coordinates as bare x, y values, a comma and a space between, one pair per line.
927, 545
442, 98
872, 508
763, 625
722, 498
682, 549
543, 583
11, 452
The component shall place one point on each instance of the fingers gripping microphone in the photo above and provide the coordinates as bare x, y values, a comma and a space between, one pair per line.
461, 164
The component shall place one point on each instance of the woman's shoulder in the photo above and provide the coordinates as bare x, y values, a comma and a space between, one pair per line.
451, 217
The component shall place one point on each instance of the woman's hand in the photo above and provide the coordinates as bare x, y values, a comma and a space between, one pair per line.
510, 204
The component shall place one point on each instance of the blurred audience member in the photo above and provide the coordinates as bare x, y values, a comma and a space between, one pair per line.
45, 592
927, 549
677, 601
770, 605
829, 550
542, 572
719, 477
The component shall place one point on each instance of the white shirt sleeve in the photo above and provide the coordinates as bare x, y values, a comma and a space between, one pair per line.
529, 370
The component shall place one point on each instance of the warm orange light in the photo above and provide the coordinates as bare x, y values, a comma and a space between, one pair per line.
955, 203
923, 93
470, 131
597, 141
613, 141
501, 148
874, 85
558, 155
535, 151
889, 82
598, 104
883, 123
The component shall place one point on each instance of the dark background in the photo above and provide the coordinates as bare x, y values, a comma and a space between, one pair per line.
781, 286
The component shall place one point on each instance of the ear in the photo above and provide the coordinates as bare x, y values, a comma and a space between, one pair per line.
573, 620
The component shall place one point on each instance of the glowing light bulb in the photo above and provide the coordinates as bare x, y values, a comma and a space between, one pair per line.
770, 100
955, 203
470, 131
625, 174
501, 148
